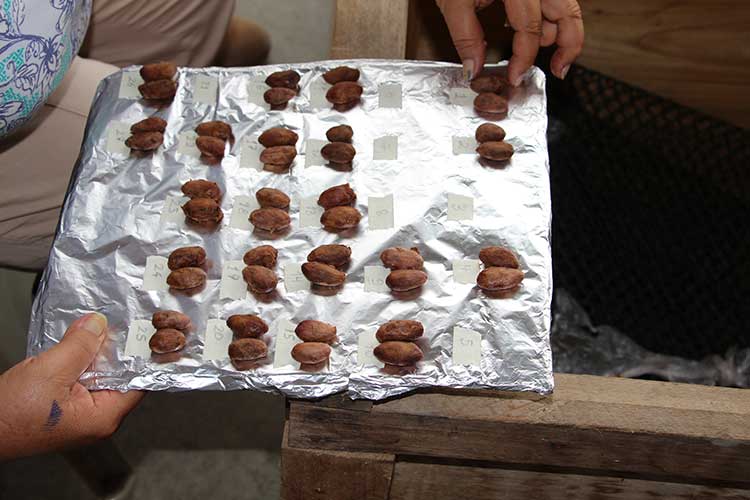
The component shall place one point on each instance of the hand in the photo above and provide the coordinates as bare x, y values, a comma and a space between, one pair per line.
44, 408
536, 23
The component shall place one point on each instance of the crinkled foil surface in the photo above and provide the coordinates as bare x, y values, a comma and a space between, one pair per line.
111, 222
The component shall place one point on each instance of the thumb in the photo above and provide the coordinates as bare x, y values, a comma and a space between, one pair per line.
77, 349
466, 32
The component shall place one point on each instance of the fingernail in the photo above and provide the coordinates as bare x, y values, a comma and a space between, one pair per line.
564, 72
468, 70
94, 323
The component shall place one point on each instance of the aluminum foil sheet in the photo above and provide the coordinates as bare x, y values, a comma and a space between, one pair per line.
415, 170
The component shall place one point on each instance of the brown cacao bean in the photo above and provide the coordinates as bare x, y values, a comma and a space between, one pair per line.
150, 124
270, 219
340, 133
337, 196
159, 90
277, 97
333, 255
163, 70
216, 128
145, 141
272, 198
323, 274
498, 257
310, 353
247, 349
201, 188
171, 319
278, 136
487, 132
404, 330
398, 353
491, 106
210, 146
488, 83
264, 255
260, 279
345, 93
247, 326
339, 218
166, 340
338, 152
288, 79
203, 210
401, 258
186, 257
341, 74
495, 150
311, 330
278, 155
403, 280
186, 278
496, 279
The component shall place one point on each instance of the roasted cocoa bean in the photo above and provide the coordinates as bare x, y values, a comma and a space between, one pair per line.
167, 340
288, 79
311, 330
495, 150
333, 255
311, 353
338, 152
340, 133
398, 353
150, 124
323, 274
337, 196
201, 188
491, 106
264, 255
344, 93
203, 210
270, 219
278, 155
487, 132
171, 319
260, 279
186, 278
341, 74
158, 90
186, 257
218, 129
340, 218
404, 330
277, 97
497, 279
163, 70
247, 326
498, 257
278, 136
247, 349
272, 198
145, 141
401, 258
488, 83
403, 280
210, 146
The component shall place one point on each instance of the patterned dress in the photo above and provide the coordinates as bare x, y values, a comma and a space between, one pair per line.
38, 40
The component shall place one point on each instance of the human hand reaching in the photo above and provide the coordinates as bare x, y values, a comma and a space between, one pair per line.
43, 407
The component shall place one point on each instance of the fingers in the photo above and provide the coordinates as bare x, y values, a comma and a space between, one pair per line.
77, 349
466, 32
567, 15
112, 407
525, 16
549, 33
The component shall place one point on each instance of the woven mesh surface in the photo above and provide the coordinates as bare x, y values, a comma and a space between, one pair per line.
651, 215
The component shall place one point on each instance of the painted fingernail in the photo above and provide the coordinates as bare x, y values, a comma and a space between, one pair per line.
564, 72
94, 323
468, 70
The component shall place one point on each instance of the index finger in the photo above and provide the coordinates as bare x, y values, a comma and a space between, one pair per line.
525, 16
466, 32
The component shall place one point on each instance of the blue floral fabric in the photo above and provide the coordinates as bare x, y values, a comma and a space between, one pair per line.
38, 40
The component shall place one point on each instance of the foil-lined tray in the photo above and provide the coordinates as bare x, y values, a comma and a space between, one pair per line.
415, 170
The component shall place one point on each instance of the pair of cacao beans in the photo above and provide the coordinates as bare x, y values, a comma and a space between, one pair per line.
159, 85
501, 275
284, 86
280, 150
259, 271
406, 265
492, 147
204, 207
187, 270
171, 328
339, 214
345, 93
247, 346
272, 216
146, 135
326, 265
339, 153
490, 102
313, 352
397, 349
212, 140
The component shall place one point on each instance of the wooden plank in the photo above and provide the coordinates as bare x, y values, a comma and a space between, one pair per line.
370, 29
417, 481
668, 430
333, 475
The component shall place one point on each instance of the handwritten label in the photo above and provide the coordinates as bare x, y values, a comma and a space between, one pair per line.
462, 96
139, 334
255, 90
243, 206
232, 284
467, 347
204, 89
309, 212
465, 271
129, 83
286, 339
318, 90
385, 148
117, 134
375, 279
186, 144
464, 145
250, 154
172, 211
294, 280
312, 152
460, 207
389, 95
155, 275
218, 338
366, 342
380, 212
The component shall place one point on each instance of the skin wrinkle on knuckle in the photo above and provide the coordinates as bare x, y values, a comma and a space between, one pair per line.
468, 43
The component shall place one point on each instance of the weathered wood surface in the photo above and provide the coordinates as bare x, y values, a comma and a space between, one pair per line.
371, 29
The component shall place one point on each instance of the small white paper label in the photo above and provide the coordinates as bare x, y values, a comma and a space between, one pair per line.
294, 280
255, 90
139, 334
460, 207
467, 347
243, 206
129, 83
232, 284
464, 145
375, 279
172, 211
250, 154
389, 95
312, 152
462, 96
366, 342
286, 339
186, 144
204, 89
218, 338
117, 134
318, 90
465, 271
309, 212
385, 148
155, 275
380, 212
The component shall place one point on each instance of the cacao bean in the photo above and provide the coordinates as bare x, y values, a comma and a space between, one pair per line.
186, 257
487, 132
403, 280
344, 93
216, 128
158, 90
311, 330
288, 79
260, 279
163, 70
201, 188
203, 210
498, 257
210, 146
340, 133
340, 218
495, 150
310, 353
145, 141
337, 196
323, 274
333, 255
270, 219
150, 124
272, 198
277, 97
488, 83
404, 330
341, 74
247, 349
167, 340
497, 279
264, 255
338, 152
186, 278
278, 155
247, 326
171, 319
278, 136
401, 258
491, 106
397, 353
